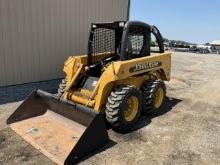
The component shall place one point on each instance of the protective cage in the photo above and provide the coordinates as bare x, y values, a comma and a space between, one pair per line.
104, 40
138, 42
127, 39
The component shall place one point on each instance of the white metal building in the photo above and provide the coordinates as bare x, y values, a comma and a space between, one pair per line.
216, 44
36, 36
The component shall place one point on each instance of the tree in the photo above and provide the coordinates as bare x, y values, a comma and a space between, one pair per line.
165, 40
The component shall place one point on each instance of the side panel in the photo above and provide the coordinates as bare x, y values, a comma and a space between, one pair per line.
125, 71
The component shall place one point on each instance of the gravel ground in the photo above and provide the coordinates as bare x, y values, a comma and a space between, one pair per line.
187, 132
19, 92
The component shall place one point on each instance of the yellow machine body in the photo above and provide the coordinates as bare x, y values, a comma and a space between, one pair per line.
134, 72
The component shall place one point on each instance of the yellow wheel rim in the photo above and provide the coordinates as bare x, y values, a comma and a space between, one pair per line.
132, 110
159, 95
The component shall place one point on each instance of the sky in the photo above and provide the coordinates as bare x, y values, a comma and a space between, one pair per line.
196, 21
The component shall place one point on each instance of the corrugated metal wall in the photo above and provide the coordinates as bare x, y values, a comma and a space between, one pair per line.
36, 36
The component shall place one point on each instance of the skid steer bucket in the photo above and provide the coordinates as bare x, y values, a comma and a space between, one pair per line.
63, 131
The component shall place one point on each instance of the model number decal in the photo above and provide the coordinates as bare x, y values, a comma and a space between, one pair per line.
144, 66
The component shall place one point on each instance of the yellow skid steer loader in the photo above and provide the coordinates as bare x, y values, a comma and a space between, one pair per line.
119, 79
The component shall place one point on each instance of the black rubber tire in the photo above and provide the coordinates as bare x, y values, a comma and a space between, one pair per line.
62, 87
117, 104
149, 89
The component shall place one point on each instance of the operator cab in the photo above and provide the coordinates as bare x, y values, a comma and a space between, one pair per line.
119, 40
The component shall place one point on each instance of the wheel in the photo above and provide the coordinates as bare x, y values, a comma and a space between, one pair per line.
123, 108
62, 87
154, 93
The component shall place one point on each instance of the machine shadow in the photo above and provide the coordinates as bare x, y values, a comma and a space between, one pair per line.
146, 119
